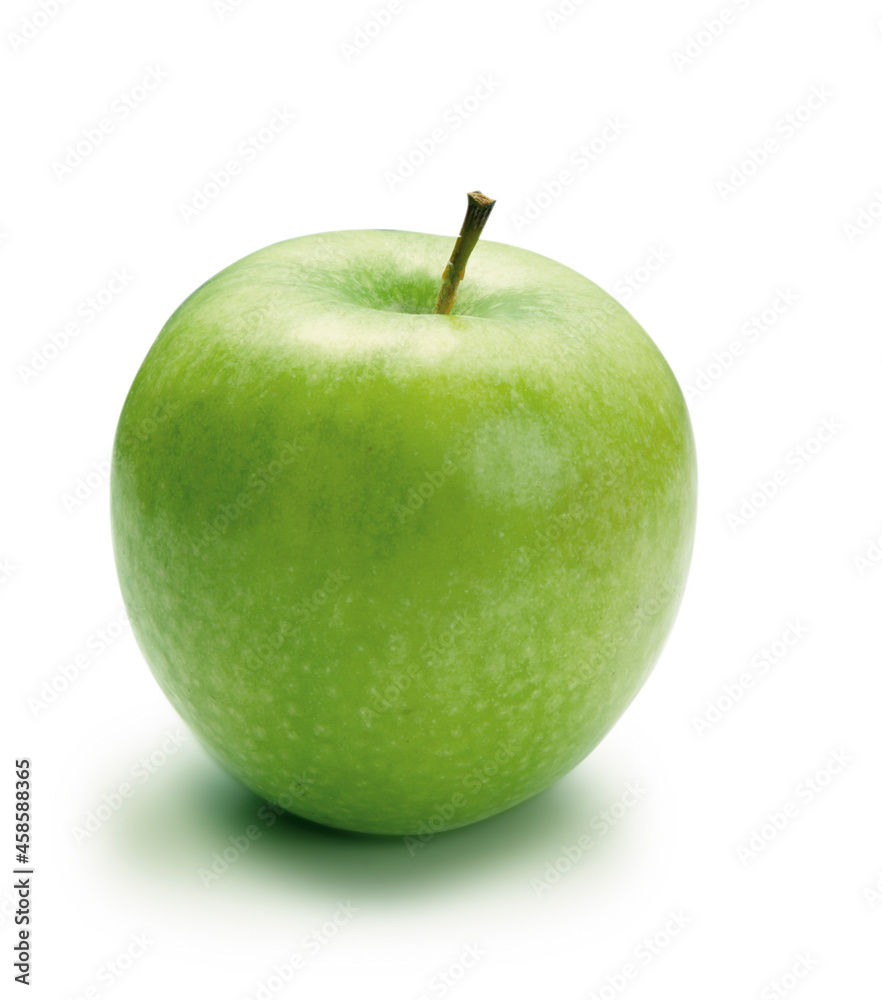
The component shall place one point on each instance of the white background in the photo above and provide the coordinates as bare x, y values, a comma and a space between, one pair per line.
790, 571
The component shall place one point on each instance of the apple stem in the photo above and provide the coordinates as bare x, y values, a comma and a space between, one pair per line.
476, 216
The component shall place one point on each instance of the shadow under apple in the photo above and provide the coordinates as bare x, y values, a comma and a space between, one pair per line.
195, 826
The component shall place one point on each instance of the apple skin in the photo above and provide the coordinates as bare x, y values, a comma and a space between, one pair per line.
401, 571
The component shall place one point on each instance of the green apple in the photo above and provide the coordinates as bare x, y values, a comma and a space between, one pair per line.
398, 569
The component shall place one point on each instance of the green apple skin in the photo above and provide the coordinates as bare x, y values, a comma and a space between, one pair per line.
401, 571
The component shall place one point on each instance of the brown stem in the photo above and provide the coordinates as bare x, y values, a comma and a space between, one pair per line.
476, 215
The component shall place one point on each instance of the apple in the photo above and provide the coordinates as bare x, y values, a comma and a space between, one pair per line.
401, 567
